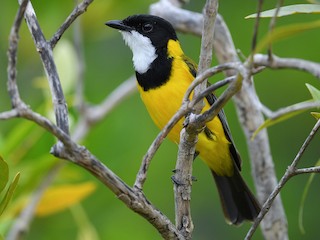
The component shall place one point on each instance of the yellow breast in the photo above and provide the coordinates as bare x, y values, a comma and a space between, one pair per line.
163, 102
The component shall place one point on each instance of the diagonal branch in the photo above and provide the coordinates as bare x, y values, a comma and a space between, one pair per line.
45, 51
77, 11
189, 134
12, 55
290, 172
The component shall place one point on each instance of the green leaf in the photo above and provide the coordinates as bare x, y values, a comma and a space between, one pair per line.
86, 230
316, 115
271, 121
4, 174
314, 1
303, 199
289, 10
284, 32
5, 201
315, 93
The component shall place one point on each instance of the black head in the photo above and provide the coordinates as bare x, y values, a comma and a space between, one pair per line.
158, 30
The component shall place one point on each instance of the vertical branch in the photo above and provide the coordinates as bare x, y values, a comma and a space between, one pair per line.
45, 51
274, 225
189, 134
256, 27
12, 56
209, 13
272, 24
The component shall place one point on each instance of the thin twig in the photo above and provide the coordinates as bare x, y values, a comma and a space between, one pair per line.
302, 106
9, 114
142, 174
45, 51
208, 73
12, 55
307, 170
256, 27
290, 172
211, 89
209, 13
272, 25
77, 11
294, 63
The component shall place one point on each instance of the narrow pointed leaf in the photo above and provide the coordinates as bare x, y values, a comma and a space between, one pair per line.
303, 199
4, 174
316, 115
271, 121
314, 1
315, 93
5, 201
289, 10
284, 32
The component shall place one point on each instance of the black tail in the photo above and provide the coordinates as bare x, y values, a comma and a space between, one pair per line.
237, 201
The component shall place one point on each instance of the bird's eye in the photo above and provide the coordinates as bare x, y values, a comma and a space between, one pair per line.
147, 27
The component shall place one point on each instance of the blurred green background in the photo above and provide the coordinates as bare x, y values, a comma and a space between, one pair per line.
123, 137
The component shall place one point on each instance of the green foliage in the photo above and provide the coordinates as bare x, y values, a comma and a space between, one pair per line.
4, 177
122, 138
315, 93
316, 115
314, 1
284, 32
303, 198
289, 10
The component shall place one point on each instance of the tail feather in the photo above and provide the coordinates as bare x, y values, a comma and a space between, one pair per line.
237, 201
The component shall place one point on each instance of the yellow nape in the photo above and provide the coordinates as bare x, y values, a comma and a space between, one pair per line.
163, 102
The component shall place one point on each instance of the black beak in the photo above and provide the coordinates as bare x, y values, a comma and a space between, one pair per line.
118, 24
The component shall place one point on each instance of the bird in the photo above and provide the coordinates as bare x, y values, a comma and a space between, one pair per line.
163, 74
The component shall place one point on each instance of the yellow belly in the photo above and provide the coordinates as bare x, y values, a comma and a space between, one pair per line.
163, 102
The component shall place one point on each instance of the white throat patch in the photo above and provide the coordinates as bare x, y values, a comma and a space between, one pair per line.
144, 53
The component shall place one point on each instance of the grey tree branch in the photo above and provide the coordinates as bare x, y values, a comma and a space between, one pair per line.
247, 102
12, 58
290, 172
275, 225
66, 148
278, 63
77, 11
189, 135
45, 51
273, 23
302, 106
142, 174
